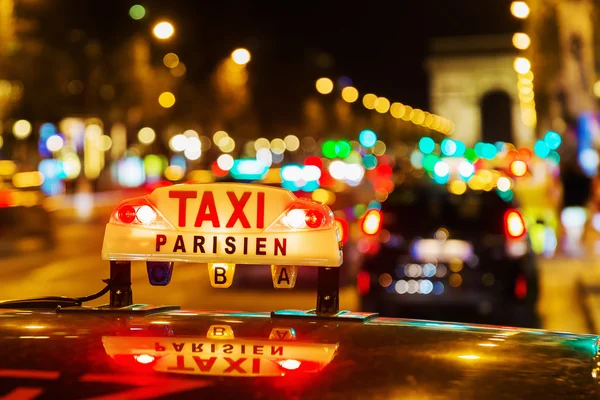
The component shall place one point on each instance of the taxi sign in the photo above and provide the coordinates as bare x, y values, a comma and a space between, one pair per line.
220, 356
223, 224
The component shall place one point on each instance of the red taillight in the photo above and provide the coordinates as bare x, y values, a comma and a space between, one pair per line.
514, 225
126, 214
371, 223
521, 287
139, 211
363, 283
313, 218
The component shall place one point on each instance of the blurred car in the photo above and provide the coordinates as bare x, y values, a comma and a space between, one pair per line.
433, 254
25, 224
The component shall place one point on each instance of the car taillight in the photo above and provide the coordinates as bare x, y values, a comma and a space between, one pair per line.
521, 287
514, 225
371, 223
363, 282
139, 211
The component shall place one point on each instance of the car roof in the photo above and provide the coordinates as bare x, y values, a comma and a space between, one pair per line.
76, 355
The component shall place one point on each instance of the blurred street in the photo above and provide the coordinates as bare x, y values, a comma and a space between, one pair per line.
74, 268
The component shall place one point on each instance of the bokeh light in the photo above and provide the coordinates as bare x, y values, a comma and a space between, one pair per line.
166, 99
171, 60
324, 85
146, 135
22, 129
137, 12
522, 65
163, 30
521, 40
367, 138
241, 56
350, 94
519, 9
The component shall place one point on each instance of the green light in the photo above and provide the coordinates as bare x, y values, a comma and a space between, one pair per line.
137, 12
471, 155
359, 210
153, 165
553, 158
342, 148
328, 149
429, 162
426, 145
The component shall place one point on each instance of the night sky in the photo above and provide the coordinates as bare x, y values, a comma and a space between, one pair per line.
381, 46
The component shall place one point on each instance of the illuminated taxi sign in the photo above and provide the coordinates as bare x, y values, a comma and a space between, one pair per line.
219, 357
225, 224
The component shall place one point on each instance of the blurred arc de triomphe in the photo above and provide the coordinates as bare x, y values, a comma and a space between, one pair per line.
473, 83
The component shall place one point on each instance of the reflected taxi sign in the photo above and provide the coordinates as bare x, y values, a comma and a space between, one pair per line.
224, 224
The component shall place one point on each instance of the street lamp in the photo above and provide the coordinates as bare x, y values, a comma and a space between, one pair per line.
163, 30
240, 56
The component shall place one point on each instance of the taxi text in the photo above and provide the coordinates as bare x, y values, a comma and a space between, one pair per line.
200, 244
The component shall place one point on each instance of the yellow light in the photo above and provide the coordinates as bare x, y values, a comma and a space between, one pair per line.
202, 176
227, 145
292, 143
241, 56
514, 224
166, 99
27, 179
262, 143
519, 9
455, 280
324, 85
372, 222
397, 110
522, 65
22, 129
105, 142
597, 88
370, 101
7, 167
350, 94
521, 40
469, 357
418, 117
408, 113
171, 60
457, 187
219, 137
277, 146
146, 135
383, 105
518, 168
174, 173
163, 30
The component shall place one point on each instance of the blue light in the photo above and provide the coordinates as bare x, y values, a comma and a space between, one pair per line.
460, 148
344, 81
131, 171
426, 145
310, 186
438, 288
47, 130
541, 149
553, 140
369, 161
248, 169
290, 185
49, 168
374, 204
43, 150
448, 147
488, 151
178, 160
367, 138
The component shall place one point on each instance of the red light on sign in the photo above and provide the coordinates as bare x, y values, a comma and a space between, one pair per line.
126, 214
343, 227
314, 160
313, 218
